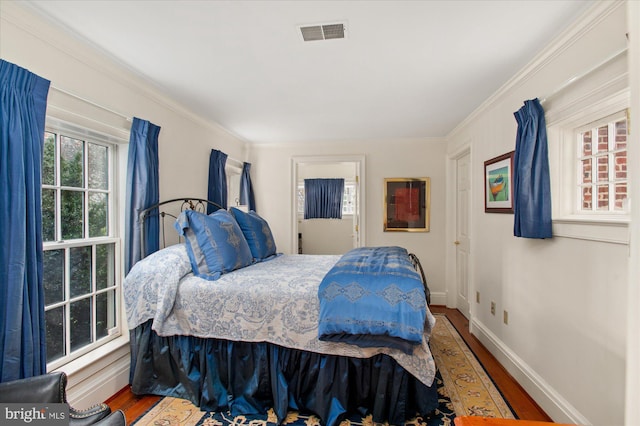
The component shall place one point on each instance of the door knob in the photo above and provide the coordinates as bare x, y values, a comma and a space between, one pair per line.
456, 243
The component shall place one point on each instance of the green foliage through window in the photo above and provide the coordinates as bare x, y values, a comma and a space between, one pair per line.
79, 263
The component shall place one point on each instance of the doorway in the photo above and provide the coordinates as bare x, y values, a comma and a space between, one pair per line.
328, 236
462, 240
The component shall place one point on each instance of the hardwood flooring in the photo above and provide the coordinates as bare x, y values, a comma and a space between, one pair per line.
521, 403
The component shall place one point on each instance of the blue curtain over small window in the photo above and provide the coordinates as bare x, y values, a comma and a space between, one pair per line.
323, 198
247, 197
217, 190
531, 182
143, 191
23, 105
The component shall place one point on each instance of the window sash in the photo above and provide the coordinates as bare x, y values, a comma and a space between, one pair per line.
108, 296
596, 184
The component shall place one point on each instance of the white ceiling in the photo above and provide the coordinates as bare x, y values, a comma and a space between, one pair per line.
407, 69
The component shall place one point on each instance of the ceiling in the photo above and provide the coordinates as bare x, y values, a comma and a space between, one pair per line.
406, 69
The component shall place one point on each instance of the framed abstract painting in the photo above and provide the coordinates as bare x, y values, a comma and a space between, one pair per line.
407, 204
498, 185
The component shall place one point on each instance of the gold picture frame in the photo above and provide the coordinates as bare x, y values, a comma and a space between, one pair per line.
407, 203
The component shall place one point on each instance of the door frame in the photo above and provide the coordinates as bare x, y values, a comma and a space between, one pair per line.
451, 207
359, 161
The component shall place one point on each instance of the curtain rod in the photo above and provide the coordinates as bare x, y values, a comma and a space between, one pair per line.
238, 163
126, 117
583, 75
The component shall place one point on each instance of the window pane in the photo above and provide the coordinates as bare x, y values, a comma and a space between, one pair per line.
98, 210
72, 214
105, 266
587, 198
586, 143
80, 323
53, 276
48, 214
54, 320
80, 270
71, 162
621, 134
586, 171
621, 196
98, 167
49, 159
105, 313
603, 197
603, 168
620, 161
603, 139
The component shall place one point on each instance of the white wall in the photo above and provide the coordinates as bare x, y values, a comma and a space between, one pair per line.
633, 302
326, 236
565, 341
185, 142
271, 175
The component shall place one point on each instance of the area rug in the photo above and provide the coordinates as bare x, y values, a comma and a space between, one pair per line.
464, 389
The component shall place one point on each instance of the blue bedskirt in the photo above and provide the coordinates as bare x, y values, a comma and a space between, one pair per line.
250, 378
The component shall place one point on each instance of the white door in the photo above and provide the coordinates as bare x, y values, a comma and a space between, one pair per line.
462, 242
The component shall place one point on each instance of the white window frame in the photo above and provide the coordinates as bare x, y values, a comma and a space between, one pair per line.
97, 348
594, 127
562, 128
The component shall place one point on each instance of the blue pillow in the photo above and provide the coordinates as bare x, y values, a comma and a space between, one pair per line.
257, 233
215, 243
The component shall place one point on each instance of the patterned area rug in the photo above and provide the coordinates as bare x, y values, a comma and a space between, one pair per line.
464, 389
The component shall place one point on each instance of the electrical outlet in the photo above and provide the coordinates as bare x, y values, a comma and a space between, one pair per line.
477, 297
493, 308
505, 317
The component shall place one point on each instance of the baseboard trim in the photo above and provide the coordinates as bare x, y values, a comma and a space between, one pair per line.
439, 298
558, 408
99, 381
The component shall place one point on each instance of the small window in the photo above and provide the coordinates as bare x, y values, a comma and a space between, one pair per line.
348, 199
602, 166
81, 245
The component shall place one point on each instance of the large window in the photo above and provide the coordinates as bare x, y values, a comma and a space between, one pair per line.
81, 247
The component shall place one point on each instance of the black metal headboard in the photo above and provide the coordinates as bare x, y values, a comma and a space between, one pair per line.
186, 203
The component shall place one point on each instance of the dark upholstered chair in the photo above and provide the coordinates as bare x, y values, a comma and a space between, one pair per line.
51, 388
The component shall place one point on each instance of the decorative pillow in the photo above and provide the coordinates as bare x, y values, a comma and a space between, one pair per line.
257, 233
215, 243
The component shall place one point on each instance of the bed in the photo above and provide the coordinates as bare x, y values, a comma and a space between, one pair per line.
249, 338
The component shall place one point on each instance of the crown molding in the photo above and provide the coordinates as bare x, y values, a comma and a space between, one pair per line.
589, 20
30, 19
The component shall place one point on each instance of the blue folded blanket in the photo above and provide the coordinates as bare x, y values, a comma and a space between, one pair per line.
373, 296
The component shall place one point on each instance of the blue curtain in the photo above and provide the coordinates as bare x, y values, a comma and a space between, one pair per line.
143, 191
531, 183
323, 198
217, 191
23, 105
247, 197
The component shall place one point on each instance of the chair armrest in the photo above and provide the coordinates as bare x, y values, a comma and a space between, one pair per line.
47, 388
114, 419
92, 415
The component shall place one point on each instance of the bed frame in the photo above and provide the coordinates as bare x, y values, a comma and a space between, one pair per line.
200, 205
249, 378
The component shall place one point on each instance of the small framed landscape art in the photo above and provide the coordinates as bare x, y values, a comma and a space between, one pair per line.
498, 185
407, 204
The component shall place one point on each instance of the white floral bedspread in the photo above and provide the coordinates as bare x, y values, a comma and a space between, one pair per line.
274, 301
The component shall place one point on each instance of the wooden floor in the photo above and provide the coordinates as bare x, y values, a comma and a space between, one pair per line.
524, 407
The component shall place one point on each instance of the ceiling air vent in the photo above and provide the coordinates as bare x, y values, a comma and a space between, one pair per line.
322, 32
